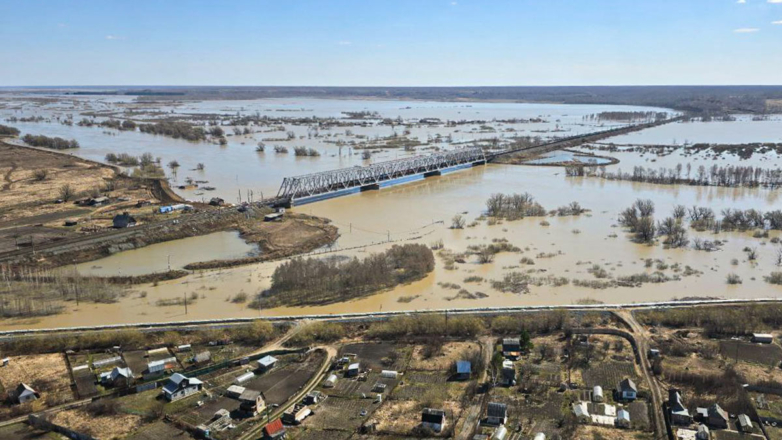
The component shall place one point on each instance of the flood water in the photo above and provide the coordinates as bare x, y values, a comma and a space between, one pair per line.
421, 212
172, 255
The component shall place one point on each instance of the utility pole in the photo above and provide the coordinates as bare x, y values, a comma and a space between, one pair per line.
185, 295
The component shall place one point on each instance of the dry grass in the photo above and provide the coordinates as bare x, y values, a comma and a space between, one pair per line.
451, 352
102, 427
598, 432
48, 369
398, 416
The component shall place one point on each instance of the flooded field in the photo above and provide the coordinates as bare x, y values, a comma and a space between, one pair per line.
171, 255
551, 249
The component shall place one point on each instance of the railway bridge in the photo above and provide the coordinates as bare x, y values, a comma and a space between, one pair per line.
327, 184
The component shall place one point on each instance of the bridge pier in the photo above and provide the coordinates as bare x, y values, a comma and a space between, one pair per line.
433, 173
374, 186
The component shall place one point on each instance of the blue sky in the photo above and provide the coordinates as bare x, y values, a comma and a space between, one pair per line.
390, 43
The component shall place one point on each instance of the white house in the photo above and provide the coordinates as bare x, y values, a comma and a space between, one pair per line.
25, 393
180, 386
623, 418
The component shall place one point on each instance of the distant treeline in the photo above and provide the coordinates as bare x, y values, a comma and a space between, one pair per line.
323, 281
718, 321
702, 100
175, 129
55, 143
8, 131
729, 176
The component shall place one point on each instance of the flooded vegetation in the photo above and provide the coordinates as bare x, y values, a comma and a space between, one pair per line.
520, 234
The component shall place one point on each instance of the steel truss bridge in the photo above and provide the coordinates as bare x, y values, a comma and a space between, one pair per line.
371, 176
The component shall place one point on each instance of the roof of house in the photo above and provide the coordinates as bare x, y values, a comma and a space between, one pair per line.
23, 388
627, 385
267, 361
354, 366
623, 414
236, 389
432, 415
463, 367
203, 356
716, 411
176, 380
507, 365
121, 372
703, 428
597, 390
511, 341
744, 421
675, 402
249, 395
763, 335
274, 427
497, 409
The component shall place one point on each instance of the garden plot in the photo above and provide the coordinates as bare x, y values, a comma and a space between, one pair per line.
205, 412
351, 387
105, 426
85, 383
160, 430
398, 416
608, 374
376, 356
764, 354
639, 415
281, 383
46, 373
546, 373
136, 360
336, 413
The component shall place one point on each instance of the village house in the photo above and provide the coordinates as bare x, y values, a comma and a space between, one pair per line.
623, 418
180, 386
274, 430
353, 370
433, 419
680, 415
511, 348
123, 220
251, 402
118, 377
25, 393
496, 414
717, 417
744, 423
234, 391
266, 363
627, 390
463, 370
703, 433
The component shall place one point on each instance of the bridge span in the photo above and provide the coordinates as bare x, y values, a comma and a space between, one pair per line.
317, 186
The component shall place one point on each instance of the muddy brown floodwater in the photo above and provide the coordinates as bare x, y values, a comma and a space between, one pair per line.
421, 212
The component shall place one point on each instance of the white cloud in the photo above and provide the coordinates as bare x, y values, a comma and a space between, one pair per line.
777, 22
344, 43
114, 37
454, 3
775, 1
741, 2
746, 30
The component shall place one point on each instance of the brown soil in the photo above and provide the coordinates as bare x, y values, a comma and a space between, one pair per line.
451, 352
102, 427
